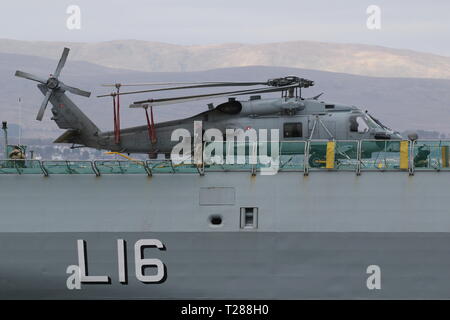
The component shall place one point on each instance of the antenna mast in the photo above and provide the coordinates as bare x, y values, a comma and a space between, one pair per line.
5, 132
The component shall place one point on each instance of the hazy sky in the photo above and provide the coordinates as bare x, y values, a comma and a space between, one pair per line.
413, 24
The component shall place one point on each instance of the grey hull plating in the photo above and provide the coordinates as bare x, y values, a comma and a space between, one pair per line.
315, 238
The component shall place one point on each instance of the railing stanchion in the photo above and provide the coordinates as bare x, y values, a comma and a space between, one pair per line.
147, 168
412, 144
44, 171
359, 157
94, 167
306, 158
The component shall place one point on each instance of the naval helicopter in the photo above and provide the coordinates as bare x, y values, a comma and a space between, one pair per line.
296, 117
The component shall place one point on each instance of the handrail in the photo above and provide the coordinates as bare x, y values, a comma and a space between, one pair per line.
423, 155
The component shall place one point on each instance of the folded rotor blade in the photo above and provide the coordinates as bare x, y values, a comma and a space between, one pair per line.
29, 76
206, 85
177, 83
40, 114
75, 90
166, 101
62, 62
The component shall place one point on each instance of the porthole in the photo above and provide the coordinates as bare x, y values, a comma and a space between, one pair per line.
215, 220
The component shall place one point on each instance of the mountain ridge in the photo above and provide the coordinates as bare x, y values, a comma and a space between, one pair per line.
151, 56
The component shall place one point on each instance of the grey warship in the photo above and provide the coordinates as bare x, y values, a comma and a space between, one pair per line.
349, 214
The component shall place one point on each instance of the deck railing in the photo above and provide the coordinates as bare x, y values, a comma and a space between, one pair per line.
298, 156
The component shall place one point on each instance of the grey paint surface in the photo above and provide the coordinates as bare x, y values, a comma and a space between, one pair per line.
287, 201
316, 235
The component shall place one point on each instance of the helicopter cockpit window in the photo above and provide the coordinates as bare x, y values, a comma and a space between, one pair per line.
377, 122
358, 124
293, 130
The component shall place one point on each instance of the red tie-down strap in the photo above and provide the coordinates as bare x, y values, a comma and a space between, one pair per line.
116, 107
150, 125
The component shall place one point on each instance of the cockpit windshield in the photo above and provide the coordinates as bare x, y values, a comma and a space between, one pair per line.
364, 122
376, 121
371, 122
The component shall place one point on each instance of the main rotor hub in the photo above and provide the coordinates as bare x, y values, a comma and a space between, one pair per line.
52, 83
289, 80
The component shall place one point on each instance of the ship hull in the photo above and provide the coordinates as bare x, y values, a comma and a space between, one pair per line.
317, 237
233, 266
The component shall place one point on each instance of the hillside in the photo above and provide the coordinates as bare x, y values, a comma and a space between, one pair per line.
162, 57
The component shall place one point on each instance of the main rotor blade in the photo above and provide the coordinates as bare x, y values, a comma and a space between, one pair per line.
29, 76
166, 101
62, 62
75, 90
172, 83
40, 114
210, 85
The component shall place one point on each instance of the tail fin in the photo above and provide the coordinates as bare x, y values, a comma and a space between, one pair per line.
52, 84
68, 116
65, 113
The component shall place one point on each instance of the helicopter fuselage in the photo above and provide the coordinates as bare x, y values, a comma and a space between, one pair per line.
296, 119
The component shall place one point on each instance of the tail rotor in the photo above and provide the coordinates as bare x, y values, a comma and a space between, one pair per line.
52, 83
